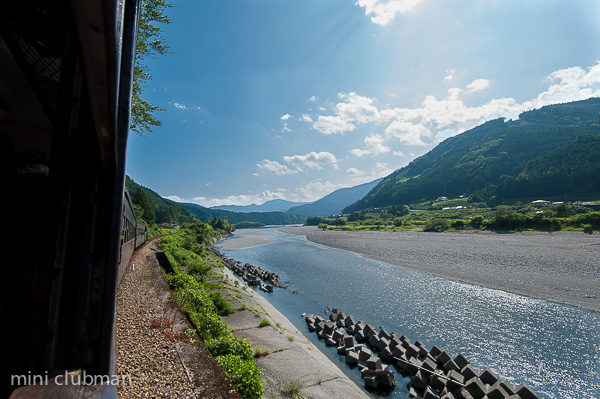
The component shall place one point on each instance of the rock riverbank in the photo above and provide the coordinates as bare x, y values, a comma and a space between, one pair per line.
561, 267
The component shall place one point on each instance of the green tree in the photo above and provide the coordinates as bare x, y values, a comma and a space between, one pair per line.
150, 44
140, 200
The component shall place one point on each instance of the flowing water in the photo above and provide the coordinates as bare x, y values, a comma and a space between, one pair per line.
555, 348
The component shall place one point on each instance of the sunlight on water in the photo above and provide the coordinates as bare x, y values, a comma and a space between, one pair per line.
552, 347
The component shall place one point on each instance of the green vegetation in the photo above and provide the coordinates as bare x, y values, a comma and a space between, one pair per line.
265, 218
264, 322
248, 225
431, 216
203, 301
150, 44
549, 153
292, 390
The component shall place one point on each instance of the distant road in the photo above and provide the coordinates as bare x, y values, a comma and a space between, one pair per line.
562, 267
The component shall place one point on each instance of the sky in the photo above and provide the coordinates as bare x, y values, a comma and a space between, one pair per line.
293, 99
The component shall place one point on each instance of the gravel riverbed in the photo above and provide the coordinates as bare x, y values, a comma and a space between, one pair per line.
562, 267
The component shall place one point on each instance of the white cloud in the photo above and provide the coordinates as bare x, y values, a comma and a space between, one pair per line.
312, 160
449, 75
241, 199
570, 84
355, 172
398, 153
286, 117
384, 11
285, 128
312, 99
408, 132
174, 198
332, 124
306, 118
355, 109
374, 146
186, 107
275, 167
315, 190
477, 85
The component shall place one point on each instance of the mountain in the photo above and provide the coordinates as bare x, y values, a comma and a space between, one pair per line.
153, 208
277, 205
488, 161
333, 203
267, 218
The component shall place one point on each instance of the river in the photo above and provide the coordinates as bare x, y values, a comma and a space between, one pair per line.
555, 348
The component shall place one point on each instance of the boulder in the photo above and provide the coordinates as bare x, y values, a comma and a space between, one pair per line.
413, 365
412, 351
386, 354
384, 334
450, 365
398, 351
437, 381
370, 381
497, 392
374, 363
429, 394
329, 327
469, 372
525, 392
461, 361
420, 380
374, 340
443, 358
351, 357
383, 343
488, 377
348, 342
394, 342
349, 321
365, 354
475, 387
387, 379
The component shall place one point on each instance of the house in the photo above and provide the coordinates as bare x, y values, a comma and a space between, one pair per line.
541, 203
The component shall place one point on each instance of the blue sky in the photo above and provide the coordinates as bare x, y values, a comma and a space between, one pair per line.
293, 99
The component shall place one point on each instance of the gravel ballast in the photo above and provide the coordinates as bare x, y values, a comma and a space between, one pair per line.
156, 357
562, 267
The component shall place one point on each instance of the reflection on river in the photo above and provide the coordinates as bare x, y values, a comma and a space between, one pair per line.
553, 347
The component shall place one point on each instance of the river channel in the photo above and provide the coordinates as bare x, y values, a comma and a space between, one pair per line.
555, 348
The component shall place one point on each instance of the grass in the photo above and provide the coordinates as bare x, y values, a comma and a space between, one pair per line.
290, 338
292, 390
261, 351
264, 323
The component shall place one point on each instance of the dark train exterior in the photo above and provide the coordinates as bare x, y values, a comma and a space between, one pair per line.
66, 71
134, 233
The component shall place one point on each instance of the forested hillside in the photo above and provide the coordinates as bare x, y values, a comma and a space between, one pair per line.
153, 208
493, 162
267, 218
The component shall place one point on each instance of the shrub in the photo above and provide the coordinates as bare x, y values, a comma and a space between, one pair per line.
227, 344
222, 306
587, 228
458, 224
437, 225
476, 222
264, 323
243, 374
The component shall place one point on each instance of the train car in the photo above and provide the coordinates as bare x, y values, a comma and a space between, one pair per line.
66, 70
133, 234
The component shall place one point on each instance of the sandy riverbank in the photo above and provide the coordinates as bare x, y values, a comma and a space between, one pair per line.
562, 267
